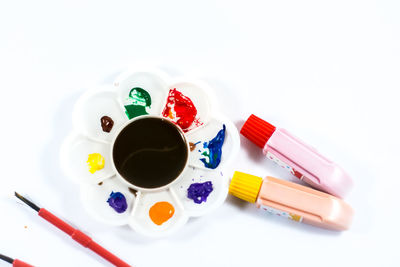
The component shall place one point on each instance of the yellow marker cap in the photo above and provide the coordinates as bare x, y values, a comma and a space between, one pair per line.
245, 186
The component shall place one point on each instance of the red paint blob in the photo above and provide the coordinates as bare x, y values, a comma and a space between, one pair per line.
180, 109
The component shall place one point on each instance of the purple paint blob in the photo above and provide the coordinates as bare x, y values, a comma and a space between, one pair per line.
199, 191
117, 201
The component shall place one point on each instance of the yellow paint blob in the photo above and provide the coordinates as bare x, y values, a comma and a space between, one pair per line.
95, 162
161, 212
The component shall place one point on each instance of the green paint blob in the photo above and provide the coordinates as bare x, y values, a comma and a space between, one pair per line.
137, 102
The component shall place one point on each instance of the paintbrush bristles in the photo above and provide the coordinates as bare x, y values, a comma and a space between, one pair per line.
27, 202
7, 259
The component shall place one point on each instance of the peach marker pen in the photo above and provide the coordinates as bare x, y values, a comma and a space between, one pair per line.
293, 201
302, 160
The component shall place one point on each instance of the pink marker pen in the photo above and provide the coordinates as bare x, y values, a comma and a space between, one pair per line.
302, 160
293, 201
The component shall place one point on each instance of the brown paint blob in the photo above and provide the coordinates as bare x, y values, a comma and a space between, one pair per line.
106, 124
161, 212
133, 191
192, 146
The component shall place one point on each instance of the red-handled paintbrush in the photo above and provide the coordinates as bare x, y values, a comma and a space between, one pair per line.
76, 235
14, 262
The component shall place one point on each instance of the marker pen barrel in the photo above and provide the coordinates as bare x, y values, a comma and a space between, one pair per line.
302, 160
293, 201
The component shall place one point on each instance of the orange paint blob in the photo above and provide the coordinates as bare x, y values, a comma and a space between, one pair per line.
161, 212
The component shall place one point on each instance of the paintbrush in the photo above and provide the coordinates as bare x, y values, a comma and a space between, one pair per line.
75, 234
14, 262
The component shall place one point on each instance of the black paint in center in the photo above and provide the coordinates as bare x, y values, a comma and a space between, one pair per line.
150, 152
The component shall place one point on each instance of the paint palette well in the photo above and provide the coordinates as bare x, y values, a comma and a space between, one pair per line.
99, 117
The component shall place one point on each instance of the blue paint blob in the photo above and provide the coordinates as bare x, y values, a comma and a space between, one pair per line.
214, 150
199, 191
117, 201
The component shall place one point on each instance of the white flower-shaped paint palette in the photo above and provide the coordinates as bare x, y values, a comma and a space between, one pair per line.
104, 116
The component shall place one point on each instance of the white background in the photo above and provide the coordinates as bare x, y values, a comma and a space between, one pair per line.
328, 71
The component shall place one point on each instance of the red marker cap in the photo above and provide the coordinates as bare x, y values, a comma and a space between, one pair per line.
257, 130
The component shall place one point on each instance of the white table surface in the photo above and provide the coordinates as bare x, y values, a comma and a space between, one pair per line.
328, 71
